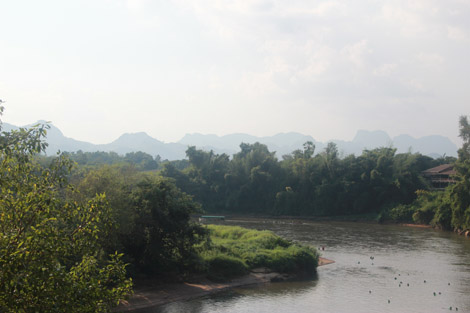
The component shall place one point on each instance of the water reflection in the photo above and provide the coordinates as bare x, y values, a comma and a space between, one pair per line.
413, 270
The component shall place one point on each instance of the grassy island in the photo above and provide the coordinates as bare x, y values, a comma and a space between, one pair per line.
233, 251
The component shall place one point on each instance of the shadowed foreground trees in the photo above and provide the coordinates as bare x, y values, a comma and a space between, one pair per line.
50, 258
152, 220
63, 248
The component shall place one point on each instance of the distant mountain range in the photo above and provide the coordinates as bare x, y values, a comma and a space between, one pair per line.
283, 143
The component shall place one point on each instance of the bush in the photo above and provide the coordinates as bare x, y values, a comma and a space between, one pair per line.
443, 216
223, 267
402, 213
424, 215
399, 214
231, 251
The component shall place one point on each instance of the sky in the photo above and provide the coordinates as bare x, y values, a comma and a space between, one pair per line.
100, 68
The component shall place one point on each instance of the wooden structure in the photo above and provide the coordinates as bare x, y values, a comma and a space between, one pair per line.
204, 218
440, 176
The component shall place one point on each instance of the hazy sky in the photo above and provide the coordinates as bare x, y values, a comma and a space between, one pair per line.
99, 68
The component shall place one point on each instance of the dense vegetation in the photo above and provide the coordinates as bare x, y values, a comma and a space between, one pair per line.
75, 227
70, 237
378, 182
50, 257
302, 184
66, 246
152, 218
448, 209
232, 251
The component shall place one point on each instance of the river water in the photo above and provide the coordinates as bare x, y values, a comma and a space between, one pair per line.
412, 270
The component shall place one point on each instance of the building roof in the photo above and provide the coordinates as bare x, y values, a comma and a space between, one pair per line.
444, 169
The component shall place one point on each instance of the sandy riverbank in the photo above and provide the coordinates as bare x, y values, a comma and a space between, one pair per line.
417, 225
146, 297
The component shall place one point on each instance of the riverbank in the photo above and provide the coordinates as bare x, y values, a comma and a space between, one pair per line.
416, 225
366, 218
156, 295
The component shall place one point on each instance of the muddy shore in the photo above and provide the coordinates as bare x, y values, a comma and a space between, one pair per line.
151, 296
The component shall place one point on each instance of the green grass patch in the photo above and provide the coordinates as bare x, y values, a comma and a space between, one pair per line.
232, 251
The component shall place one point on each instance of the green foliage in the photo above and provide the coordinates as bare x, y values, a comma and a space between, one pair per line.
116, 182
445, 209
400, 213
162, 238
246, 249
429, 208
151, 217
460, 192
424, 215
443, 214
222, 267
50, 256
140, 160
255, 182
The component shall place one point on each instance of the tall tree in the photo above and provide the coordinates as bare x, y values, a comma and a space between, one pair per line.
50, 258
460, 192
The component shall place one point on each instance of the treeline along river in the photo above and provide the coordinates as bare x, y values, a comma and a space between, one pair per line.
411, 270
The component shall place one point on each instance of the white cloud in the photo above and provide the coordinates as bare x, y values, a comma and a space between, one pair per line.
254, 84
430, 60
305, 8
408, 21
457, 34
136, 5
275, 7
416, 85
385, 70
357, 53
330, 7
318, 62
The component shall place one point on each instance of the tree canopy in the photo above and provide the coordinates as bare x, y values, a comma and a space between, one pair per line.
50, 258
254, 181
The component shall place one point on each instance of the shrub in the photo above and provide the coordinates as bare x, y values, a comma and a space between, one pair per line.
222, 267
231, 251
424, 215
402, 213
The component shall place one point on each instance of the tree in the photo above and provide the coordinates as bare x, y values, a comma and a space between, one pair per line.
161, 242
141, 159
151, 217
309, 149
50, 258
460, 192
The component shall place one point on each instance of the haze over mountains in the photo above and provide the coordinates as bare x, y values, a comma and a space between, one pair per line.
283, 143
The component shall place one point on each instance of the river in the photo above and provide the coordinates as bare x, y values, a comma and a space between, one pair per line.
379, 268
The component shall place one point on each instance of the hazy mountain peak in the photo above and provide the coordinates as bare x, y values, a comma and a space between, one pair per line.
429, 145
135, 141
376, 138
141, 135
291, 138
282, 143
189, 138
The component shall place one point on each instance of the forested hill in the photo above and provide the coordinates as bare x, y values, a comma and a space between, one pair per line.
282, 144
